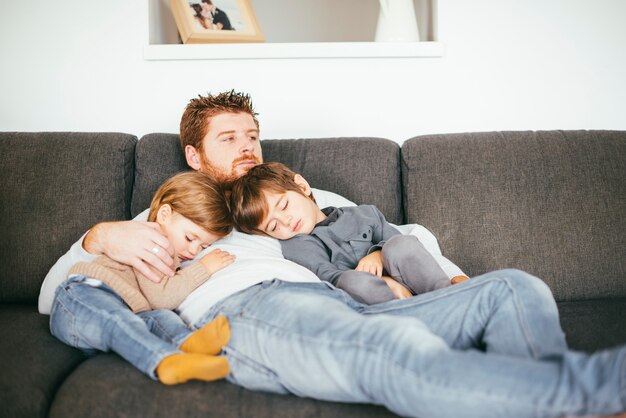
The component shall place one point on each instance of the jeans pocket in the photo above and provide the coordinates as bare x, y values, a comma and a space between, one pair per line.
63, 322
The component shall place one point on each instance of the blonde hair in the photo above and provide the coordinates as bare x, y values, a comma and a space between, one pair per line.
247, 199
198, 198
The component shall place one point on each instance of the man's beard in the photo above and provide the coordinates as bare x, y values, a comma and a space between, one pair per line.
219, 174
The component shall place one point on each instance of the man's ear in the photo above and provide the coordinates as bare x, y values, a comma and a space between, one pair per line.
193, 157
302, 184
164, 214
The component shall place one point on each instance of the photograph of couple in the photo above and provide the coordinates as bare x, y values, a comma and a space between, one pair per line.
209, 16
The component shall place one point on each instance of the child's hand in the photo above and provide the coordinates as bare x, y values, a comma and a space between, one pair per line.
458, 279
371, 263
216, 260
398, 290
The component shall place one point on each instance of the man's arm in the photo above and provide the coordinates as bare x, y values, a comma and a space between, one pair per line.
134, 243
128, 242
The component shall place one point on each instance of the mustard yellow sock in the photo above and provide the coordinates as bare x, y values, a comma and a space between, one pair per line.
209, 339
179, 368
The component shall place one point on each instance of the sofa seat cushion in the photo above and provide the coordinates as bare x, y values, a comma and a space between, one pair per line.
107, 386
32, 362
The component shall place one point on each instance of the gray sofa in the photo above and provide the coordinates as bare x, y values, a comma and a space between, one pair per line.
552, 203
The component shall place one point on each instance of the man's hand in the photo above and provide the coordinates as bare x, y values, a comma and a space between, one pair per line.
137, 244
216, 260
371, 263
398, 290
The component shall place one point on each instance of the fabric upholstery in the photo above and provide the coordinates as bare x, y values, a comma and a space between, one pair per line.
595, 324
332, 164
56, 186
158, 157
117, 389
550, 203
364, 170
32, 361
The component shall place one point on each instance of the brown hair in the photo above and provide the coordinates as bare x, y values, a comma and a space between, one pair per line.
194, 123
247, 198
198, 198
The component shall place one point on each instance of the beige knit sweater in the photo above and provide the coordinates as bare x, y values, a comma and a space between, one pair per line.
140, 293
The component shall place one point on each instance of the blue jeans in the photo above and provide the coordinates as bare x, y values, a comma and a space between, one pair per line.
96, 319
490, 347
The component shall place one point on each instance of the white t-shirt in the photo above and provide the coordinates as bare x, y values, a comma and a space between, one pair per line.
258, 259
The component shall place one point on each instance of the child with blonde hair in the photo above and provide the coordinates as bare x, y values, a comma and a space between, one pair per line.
354, 248
108, 306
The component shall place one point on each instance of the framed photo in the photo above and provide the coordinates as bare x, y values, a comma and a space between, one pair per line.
207, 21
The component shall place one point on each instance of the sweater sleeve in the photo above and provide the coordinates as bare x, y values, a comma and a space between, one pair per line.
171, 291
311, 253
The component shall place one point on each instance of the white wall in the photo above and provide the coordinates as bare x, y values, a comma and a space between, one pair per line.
509, 64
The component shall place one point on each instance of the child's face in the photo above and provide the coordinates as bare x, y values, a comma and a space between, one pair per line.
187, 238
289, 213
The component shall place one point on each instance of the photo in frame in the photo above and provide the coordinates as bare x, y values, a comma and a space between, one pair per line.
216, 21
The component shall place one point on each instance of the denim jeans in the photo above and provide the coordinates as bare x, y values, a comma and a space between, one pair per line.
489, 347
97, 319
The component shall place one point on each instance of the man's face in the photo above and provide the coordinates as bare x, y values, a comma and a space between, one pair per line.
231, 146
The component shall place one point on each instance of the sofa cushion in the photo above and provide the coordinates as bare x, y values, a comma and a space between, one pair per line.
107, 386
364, 170
596, 324
56, 186
32, 361
551, 203
157, 158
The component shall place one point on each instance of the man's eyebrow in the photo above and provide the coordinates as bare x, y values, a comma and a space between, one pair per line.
226, 132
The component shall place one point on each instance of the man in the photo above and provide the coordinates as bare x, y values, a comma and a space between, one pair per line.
489, 347
217, 16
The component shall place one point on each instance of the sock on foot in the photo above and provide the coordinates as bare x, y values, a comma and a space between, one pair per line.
209, 339
179, 368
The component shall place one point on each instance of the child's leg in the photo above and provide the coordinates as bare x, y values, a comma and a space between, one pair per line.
96, 318
170, 327
364, 287
406, 260
167, 325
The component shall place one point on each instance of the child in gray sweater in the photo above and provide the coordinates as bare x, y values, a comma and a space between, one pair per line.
354, 248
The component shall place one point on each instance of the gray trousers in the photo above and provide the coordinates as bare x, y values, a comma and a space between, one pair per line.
407, 261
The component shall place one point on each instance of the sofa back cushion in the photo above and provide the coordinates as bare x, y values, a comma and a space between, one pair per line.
551, 203
364, 170
54, 187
